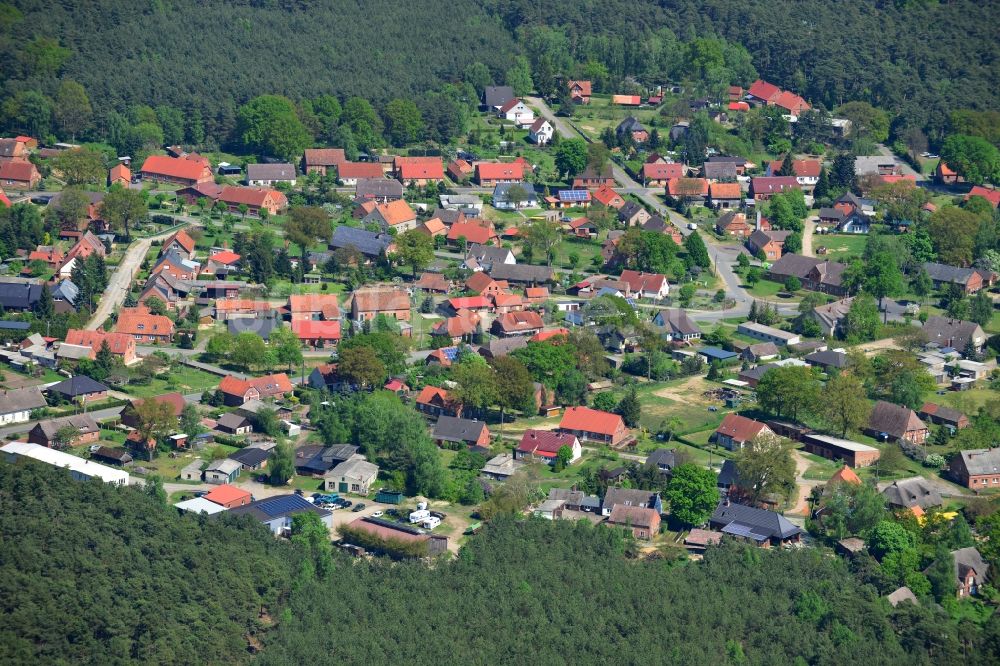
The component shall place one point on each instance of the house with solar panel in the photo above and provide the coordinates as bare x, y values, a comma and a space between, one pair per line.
576, 198
276, 513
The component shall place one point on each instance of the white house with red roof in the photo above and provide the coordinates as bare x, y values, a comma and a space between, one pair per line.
646, 285
594, 425
735, 431
544, 445
517, 112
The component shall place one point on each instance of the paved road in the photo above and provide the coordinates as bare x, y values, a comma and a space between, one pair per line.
902, 164
723, 256
121, 279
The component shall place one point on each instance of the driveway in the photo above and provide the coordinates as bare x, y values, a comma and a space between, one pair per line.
121, 279
809, 226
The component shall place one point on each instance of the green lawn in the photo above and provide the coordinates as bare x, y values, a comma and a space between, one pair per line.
768, 289
840, 247
182, 379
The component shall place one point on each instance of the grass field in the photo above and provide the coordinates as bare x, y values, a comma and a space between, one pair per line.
840, 247
182, 379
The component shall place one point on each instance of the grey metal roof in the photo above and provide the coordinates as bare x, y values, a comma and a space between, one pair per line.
981, 461
453, 429
662, 457
521, 273
19, 295
19, 400
78, 385
270, 172
364, 241
829, 359
760, 522
497, 95
66, 291
915, 491
378, 188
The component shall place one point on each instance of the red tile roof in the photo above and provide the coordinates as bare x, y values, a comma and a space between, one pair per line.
544, 443
763, 90
499, 171
638, 281
226, 494
590, 420
584, 87
662, 171
396, 212
420, 168
740, 428
18, 170
267, 386
724, 190
526, 320
175, 400
431, 395
322, 303
474, 231
695, 186
739, 106
252, 196
118, 343
380, 300
801, 168
324, 156
226, 257
791, 102
469, 302
607, 196
138, 321
993, 196
182, 238
347, 170
120, 172
310, 329
844, 475
176, 167
627, 100
542, 336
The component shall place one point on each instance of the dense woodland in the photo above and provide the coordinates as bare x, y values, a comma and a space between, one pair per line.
196, 63
94, 574
98, 575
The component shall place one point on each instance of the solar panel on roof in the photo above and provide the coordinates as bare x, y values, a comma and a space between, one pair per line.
574, 195
451, 353
279, 505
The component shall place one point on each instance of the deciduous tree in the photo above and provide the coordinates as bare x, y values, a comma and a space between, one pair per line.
692, 494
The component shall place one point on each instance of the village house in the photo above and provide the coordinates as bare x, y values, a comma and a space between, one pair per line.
677, 326
606, 196
724, 196
349, 173
814, 274
378, 190
79, 389
232, 423
229, 497
759, 526
736, 431
643, 523
646, 285
370, 244
517, 112
18, 175
460, 170
590, 178
544, 445
579, 91
540, 132
594, 425
632, 129
319, 160
893, 423
254, 199
269, 175
941, 415
351, 476
969, 280
174, 400
16, 405
119, 174
316, 334
236, 392
626, 100
762, 351
657, 174
81, 429
915, 493
518, 322
450, 431
474, 231
435, 402
957, 334
189, 170
148, 328
418, 171
514, 196
241, 308
990, 194
762, 188
313, 307
120, 344
463, 326
736, 224
630, 497
368, 303
977, 469
495, 97
692, 190
489, 174
806, 172
632, 214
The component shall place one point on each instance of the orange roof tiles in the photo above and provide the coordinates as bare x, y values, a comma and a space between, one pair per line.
724, 190
590, 420
138, 321
176, 167
396, 212
226, 494
499, 171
